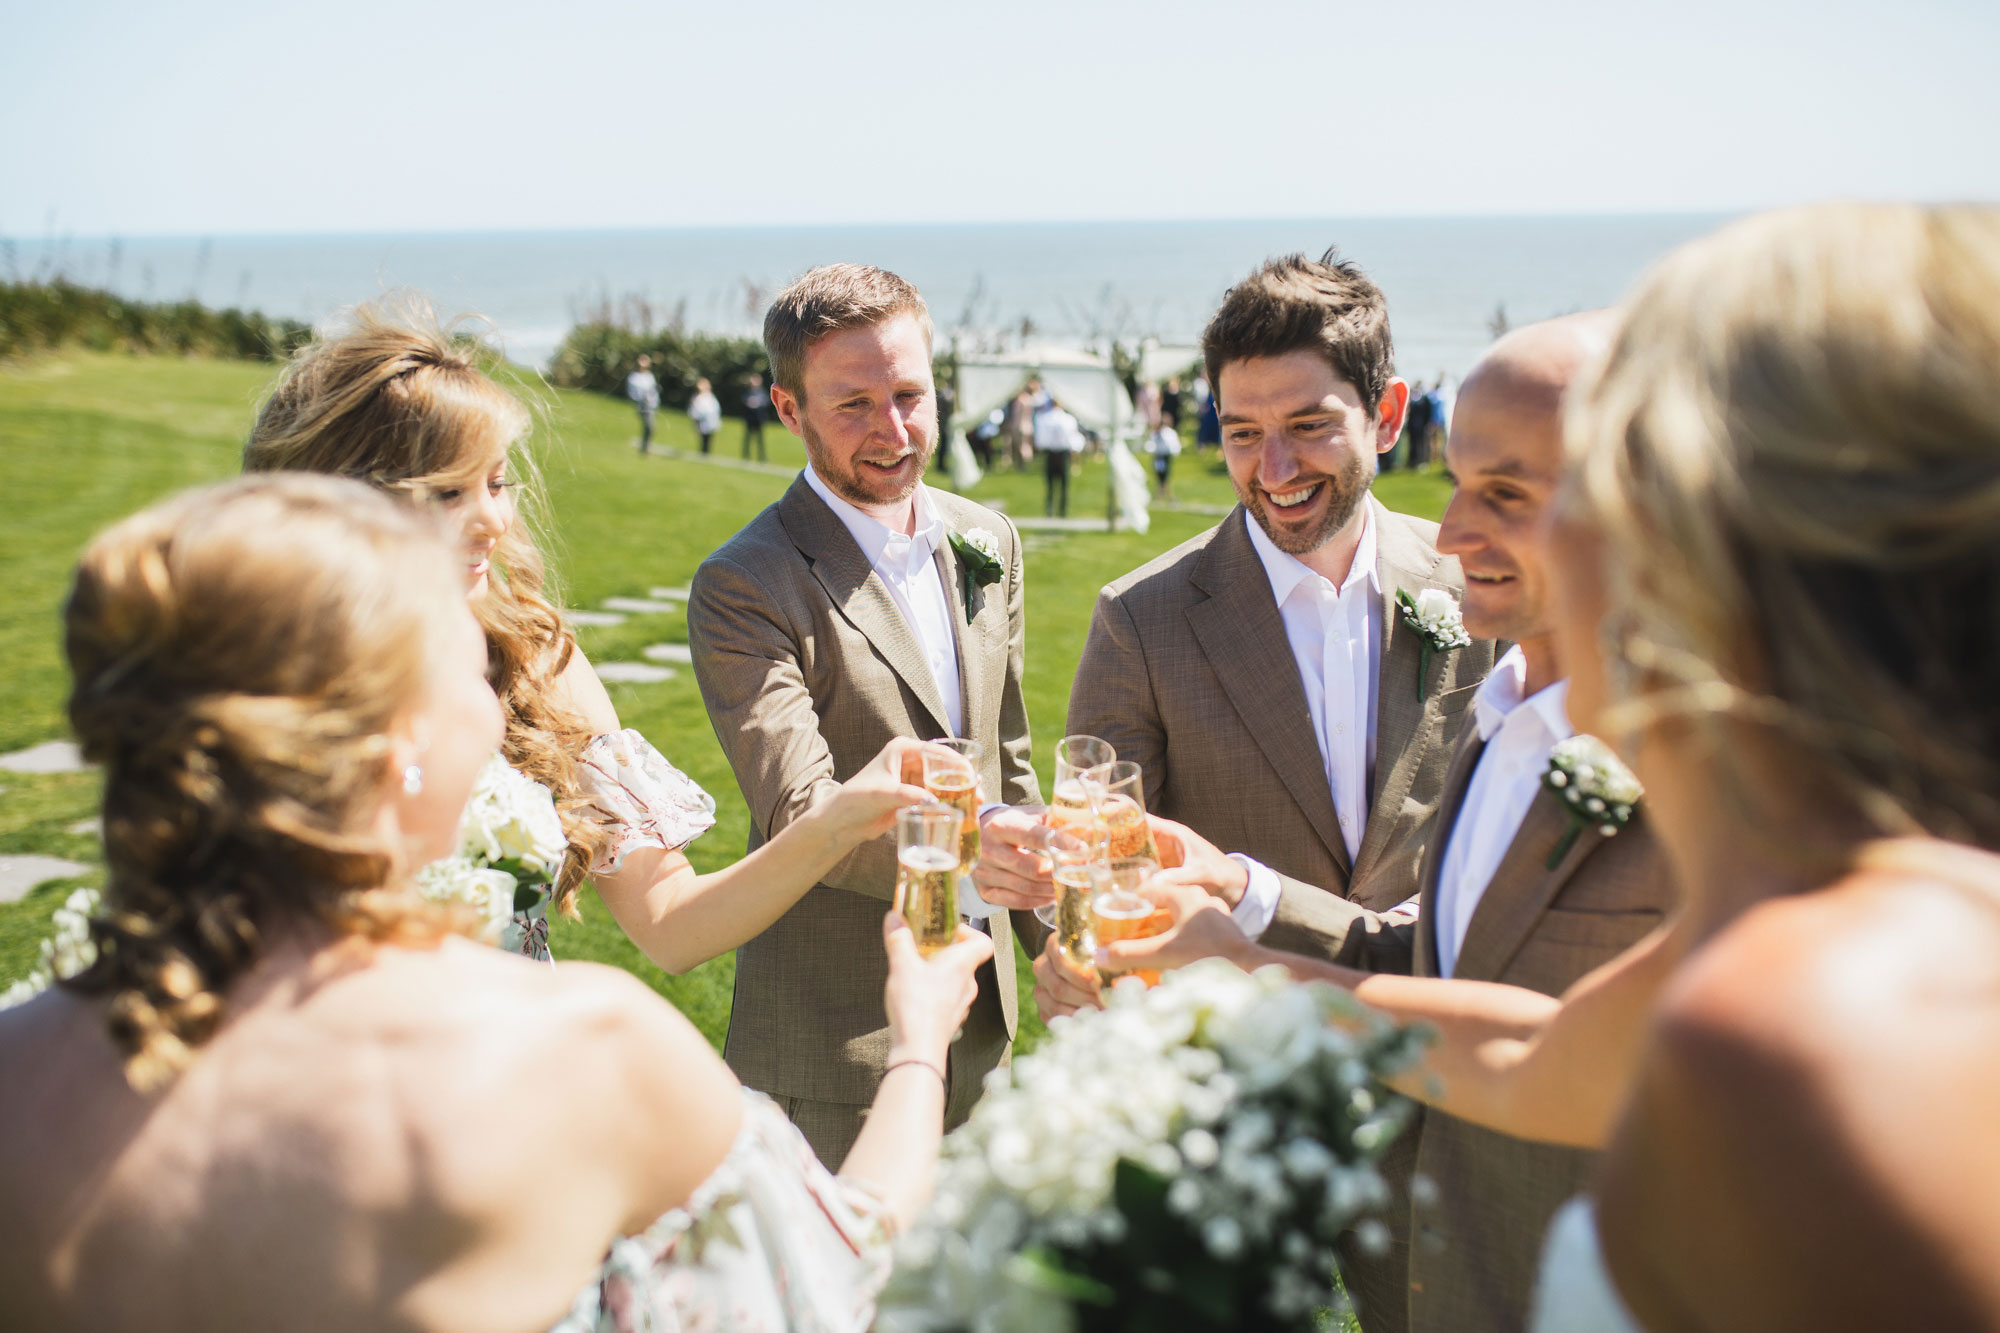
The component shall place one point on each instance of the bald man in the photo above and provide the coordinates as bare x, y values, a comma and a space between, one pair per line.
1490, 907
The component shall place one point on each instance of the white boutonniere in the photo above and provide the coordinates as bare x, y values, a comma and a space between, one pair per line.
1595, 787
979, 556
1433, 614
511, 845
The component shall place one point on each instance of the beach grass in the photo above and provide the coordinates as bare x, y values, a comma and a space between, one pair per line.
87, 438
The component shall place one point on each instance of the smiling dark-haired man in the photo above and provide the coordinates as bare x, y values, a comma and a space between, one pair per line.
1263, 674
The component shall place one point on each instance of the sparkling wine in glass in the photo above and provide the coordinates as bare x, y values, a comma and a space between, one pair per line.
927, 849
953, 779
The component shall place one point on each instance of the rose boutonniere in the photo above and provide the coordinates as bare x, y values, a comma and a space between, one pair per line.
1433, 614
1595, 787
979, 554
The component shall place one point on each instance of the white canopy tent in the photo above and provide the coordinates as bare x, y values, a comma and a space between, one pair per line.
1083, 382
1159, 361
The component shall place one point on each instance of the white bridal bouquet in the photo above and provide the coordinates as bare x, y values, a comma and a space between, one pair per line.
511, 844
1182, 1159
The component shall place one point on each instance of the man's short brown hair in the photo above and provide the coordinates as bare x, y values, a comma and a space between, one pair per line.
1294, 304
831, 299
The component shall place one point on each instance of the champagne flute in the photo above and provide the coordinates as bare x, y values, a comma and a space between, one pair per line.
953, 779
1119, 790
1118, 911
927, 844
1070, 860
1069, 799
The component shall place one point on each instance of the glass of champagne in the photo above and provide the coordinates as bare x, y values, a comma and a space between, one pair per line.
1118, 911
927, 842
1069, 799
1120, 792
1070, 861
953, 779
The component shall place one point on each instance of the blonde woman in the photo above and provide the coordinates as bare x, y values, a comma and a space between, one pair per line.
397, 402
287, 1094
1778, 589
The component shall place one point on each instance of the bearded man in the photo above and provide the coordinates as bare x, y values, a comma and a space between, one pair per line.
840, 617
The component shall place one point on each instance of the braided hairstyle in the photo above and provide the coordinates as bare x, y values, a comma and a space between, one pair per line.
400, 402
238, 656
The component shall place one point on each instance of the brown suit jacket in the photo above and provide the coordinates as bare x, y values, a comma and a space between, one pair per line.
1471, 1256
808, 670
1188, 671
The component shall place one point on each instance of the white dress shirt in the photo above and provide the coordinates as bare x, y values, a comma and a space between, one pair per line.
1519, 734
1335, 636
905, 566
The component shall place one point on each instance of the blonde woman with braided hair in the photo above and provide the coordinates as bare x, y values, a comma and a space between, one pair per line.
1776, 569
288, 1093
398, 401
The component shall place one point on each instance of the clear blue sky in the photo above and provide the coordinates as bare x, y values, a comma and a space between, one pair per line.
247, 116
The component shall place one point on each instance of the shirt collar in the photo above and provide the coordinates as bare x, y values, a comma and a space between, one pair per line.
1287, 571
871, 534
1500, 694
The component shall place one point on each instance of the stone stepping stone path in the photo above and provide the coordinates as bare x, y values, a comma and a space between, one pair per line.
602, 619
668, 652
48, 757
672, 594
91, 827
641, 606
633, 673
18, 874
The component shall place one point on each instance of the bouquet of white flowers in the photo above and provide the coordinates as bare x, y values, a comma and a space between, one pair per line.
511, 844
1182, 1159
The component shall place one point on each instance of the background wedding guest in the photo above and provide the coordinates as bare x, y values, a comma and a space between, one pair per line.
1207, 429
394, 401
1170, 401
1774, 573
705, 413
287, 1094
644, 391
1164, 444
756, 404
1058, 439
841, 618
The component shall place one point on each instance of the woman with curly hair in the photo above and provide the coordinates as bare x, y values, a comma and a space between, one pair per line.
287, 1094
400, 403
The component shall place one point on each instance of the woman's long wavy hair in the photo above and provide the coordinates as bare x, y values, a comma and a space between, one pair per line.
399, 401
1794, 452
239, 655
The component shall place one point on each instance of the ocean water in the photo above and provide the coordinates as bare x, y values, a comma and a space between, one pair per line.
1445, 278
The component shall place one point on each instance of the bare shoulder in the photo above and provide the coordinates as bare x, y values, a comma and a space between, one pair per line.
1829, 1058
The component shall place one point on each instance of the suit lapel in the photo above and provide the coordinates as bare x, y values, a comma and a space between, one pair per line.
1243, 637
858, 593
968, 628
1464, 760
1403, 563
1521, 889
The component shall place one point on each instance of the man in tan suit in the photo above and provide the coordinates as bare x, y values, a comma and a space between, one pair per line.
1491, 907
1262, 673
841, 617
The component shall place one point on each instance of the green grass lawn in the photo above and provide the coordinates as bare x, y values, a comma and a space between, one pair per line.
86, 439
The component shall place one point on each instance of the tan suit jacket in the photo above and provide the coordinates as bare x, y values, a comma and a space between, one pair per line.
808, 670
1471, 1257
1188, 671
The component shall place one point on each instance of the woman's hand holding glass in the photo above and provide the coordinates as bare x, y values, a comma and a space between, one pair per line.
927, 999
865, 805
1202, 928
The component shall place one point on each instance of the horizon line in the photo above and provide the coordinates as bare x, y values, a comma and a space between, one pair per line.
46, 238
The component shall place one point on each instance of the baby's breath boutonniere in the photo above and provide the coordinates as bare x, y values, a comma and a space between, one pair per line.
979, 554
1433, 614
1595, 787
